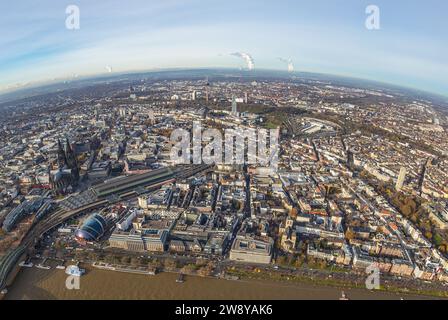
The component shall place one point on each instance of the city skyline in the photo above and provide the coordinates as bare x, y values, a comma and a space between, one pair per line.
331, 38
114, 175
244, 152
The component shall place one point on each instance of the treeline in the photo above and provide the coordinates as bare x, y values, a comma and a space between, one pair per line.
391, 136
369, 129
410, 206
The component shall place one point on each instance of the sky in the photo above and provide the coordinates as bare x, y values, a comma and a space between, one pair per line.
324, 36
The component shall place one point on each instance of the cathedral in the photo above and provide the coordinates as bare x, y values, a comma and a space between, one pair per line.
66, 177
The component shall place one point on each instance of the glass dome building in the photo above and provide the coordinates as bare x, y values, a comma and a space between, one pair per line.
92, 228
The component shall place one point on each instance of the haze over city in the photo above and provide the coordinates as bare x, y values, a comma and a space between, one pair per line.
409, 49
239, 151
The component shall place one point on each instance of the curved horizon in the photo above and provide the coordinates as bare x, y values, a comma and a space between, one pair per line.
408, 50
80, 78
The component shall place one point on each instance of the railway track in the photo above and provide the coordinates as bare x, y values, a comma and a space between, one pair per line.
60, 216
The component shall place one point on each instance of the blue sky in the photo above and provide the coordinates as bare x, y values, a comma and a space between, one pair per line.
327, 36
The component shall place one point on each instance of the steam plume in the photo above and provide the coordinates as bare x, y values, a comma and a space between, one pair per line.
289, 63
247, 57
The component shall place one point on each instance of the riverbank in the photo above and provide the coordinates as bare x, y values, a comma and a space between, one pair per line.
335, 283
33, 283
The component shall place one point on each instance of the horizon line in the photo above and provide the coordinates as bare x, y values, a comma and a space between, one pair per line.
79, 78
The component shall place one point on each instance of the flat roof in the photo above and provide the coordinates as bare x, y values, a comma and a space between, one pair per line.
134, 181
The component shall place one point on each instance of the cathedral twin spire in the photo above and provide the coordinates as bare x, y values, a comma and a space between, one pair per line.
67, 157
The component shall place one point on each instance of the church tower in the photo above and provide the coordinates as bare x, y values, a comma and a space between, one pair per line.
72, 163
62, 160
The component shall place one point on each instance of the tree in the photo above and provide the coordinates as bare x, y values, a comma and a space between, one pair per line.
310, 261
156, 263
109, 258
188, 269
291, 260
135, 261
437, 239
349, 234
125, 260
411, 203
92, 256
293, 212
59, 245
281, 260
116, 259
406, 210
80, 255
200, 261
204, 271
207, 269
170, 264
322, 264
300, 261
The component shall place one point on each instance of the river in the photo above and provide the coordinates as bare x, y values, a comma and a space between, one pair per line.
33, 283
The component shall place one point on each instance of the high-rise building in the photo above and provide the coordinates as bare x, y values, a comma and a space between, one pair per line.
350, 159
207, 84
151, 117
67, 174
401, 178
193, 95
234, 107
421, 180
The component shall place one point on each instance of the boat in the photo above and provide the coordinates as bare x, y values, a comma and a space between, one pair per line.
180, 279
343, 296
26, 264
60, 267
74, 271
4, 291
40, 266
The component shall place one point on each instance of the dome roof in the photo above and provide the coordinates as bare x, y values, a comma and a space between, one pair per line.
92, 228
58, 176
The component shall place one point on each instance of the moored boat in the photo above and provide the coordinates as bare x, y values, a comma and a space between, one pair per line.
74, 271
180, 279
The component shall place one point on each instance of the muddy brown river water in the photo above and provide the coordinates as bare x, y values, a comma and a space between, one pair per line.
33, 283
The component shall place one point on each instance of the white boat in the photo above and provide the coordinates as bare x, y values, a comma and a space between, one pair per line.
26, 264
4, 291
43, 267
60, 267
74, 271
343, 296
